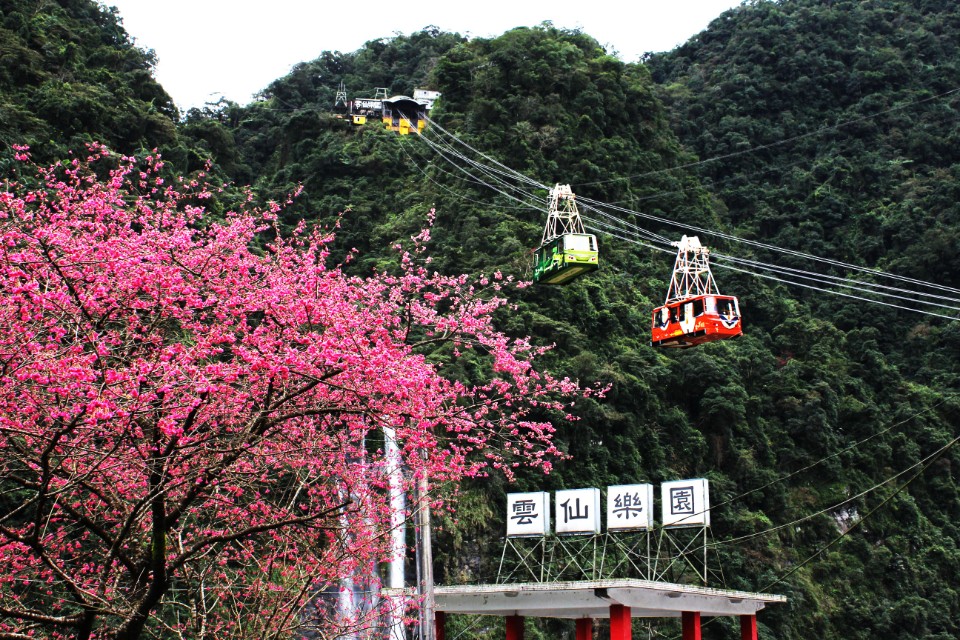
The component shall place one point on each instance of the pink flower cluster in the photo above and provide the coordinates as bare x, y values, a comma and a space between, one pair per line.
192, 428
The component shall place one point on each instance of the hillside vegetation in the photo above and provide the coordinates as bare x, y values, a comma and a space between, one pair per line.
834, 128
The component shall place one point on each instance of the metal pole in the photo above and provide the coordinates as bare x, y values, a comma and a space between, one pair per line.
428, 610
398, 538
704, 556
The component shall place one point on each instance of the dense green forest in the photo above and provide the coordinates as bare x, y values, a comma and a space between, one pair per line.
823, 126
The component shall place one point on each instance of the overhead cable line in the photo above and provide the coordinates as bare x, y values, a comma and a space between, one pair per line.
470, 178
493, 178
926, 464
774, 248
840, 293
778, 143
501, 174
655, 237
826, 458
453, 193
841, 282
519, 175
447, 149
826, 279
922, 464
603, 228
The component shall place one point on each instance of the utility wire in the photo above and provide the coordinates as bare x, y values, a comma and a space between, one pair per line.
927, 462
839, 293
923, 464
519, 175
844, 282
778, 143
606, 228
597, 206
791, 252
454, 193
500, 173
494, 175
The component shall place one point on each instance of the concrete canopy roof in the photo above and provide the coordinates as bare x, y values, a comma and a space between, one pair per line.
592, 599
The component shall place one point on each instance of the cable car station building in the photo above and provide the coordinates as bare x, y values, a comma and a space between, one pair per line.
685, 508
402, 114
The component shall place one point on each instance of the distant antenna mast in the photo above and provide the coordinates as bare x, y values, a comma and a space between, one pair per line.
341, 96
691, 273
564, 217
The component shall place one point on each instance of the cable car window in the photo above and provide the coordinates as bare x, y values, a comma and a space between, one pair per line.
697, 308
681, 313
724, 308
577, 242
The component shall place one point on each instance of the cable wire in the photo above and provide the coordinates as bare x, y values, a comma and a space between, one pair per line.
778, 143
500, 179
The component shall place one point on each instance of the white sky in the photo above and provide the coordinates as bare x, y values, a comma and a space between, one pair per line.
235, 48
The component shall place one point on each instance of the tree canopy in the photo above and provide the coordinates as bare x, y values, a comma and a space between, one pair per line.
193, 430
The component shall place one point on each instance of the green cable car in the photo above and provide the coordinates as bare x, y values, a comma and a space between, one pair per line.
566, 250
564, 258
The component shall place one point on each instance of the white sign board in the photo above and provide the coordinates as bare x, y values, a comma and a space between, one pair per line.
629, 506
578, 511
685, 503
363, 103
528, 514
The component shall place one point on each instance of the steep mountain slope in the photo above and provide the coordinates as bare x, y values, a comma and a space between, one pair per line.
69, 74
835, 128
830, 387
819, 402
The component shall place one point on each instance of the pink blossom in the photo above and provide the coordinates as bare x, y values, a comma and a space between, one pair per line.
184, 410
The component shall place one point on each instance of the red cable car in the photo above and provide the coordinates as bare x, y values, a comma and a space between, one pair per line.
694, 312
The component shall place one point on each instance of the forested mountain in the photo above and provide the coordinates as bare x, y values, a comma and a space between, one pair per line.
69, 74
834, 127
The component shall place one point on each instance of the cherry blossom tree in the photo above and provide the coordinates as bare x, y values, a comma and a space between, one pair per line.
192, 427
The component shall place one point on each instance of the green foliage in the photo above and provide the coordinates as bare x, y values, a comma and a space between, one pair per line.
70, 75
834, 122
789, 400
836, 135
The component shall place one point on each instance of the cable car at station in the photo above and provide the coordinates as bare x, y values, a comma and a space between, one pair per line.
566, 250
400, 113
694, 312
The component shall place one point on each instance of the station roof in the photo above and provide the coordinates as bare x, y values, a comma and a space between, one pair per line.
404, 100
592, 599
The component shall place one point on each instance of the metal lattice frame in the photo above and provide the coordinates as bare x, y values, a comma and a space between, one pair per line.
341, 98
680, 556
691, 272
563, 217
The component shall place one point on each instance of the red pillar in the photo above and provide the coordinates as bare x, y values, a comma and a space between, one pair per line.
440, 623
691, 625
585, 629
748, 627
514, 627
620, 622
